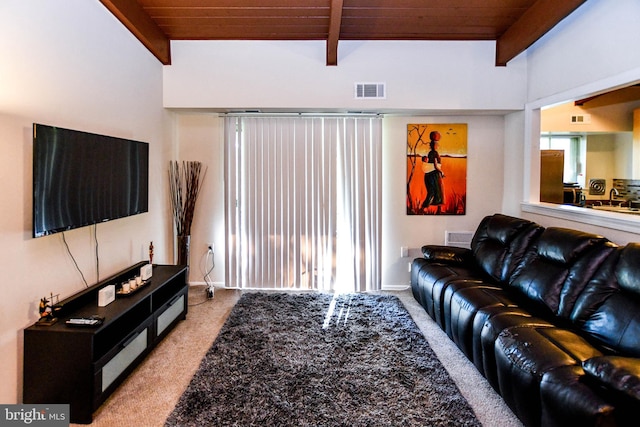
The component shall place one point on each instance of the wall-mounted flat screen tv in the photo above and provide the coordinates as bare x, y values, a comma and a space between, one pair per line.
81, 178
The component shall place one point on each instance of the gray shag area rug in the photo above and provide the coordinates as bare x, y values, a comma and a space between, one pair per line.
314, 359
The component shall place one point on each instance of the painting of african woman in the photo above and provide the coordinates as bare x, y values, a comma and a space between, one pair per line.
436, 169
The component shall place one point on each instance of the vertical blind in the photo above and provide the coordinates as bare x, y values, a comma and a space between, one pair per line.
303, 201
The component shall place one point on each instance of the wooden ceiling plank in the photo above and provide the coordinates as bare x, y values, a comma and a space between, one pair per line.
133, 16
428, 12
207, 33
418, 37
533, 24
464, 24
246, 21
492, 4
435, 23
241, 4
335, 21
225, 13
415, 35
259, 37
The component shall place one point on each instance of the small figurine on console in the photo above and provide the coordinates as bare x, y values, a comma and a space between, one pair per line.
47, 317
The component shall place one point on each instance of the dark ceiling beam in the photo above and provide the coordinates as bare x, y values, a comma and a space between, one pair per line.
335, 20
133, 16
533, 24
581, 102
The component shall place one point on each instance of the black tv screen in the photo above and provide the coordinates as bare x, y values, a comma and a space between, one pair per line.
81, 178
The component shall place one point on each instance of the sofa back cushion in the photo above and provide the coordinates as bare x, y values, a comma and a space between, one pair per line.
557, 268
609, 308
500, 242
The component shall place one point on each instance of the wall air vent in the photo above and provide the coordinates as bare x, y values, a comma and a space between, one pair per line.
370, 90
581, 119
461, 239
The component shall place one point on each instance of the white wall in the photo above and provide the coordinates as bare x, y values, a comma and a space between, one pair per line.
484, 190
595, 43
514, 170
593, 50
200, 137
69, 64
436, 76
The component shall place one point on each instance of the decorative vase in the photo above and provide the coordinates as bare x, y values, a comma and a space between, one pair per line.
183, 243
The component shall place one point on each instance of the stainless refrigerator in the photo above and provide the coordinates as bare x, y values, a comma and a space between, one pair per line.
551, 174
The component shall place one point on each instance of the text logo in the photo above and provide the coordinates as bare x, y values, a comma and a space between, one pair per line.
34, 415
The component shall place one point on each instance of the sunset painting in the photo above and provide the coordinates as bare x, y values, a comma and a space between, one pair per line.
436, 169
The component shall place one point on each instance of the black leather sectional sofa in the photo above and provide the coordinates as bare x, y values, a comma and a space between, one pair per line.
550, 316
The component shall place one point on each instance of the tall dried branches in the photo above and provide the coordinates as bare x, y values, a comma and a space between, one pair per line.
185, 181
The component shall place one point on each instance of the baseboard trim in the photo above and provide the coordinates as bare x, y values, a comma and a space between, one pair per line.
201, 283
395, 287
398, 287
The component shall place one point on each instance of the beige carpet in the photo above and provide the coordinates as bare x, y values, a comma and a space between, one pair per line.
150, 393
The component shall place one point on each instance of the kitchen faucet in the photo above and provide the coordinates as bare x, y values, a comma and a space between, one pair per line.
611, 192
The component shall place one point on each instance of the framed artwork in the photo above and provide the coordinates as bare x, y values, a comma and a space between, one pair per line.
437, 169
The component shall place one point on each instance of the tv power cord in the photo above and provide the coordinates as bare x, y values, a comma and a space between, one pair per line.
207, 258
207, 278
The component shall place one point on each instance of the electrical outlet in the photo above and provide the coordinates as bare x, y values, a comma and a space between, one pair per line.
404, 251
211, 247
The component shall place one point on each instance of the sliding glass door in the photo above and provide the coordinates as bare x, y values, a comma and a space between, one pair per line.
303, 202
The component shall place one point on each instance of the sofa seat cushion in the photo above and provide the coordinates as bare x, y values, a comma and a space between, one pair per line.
442, 294
524, 354
618, 373
430, 280
424, 276
435, 272
537, 349
462, 306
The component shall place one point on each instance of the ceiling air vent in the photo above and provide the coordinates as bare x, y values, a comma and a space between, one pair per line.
370, 91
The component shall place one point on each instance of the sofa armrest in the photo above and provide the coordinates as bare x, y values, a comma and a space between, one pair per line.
447, 254
568, 401
618, 373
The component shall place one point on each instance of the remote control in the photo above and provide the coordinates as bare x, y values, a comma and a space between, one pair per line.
84, 321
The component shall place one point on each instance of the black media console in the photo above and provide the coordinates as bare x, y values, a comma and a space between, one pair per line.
82, 365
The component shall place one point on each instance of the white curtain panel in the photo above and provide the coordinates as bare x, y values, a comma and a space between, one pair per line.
303, 202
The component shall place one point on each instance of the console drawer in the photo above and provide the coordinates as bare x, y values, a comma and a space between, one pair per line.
174, 309
132, 348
